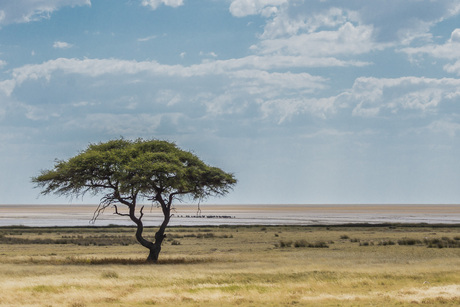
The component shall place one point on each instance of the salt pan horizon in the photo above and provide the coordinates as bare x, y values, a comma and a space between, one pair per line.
215, 215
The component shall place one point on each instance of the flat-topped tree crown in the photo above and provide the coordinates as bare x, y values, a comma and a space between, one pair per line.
125, 171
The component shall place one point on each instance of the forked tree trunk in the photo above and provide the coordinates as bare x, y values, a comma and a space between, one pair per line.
154, 247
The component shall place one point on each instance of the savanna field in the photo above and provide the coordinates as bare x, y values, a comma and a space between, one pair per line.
386, 265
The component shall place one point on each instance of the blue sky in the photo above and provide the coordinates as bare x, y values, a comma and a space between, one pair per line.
305, 101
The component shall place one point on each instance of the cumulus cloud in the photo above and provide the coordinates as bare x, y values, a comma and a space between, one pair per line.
61, 45
20, 11
235, 88
348, 39
241, 8
374, 96
317, 29
154, 4
98, 67
401, 21
450, 50
238, 88
285, 108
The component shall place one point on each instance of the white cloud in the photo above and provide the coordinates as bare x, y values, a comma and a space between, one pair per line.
154, 4
117, 124
168, 97
234, 88
98, 67
37, 113
2, 113
237, 87
82, 104
7, 86
444, 127
322, 28
241, 8
61, 45
285, 24
2, 64
225, 103
455, 36
285, 108
450, 50
146, 39
208, 54
20, 11
373, 96
453, 68
274, 82
348, 39
330, 132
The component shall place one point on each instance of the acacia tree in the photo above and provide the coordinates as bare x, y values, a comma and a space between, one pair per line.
126, 172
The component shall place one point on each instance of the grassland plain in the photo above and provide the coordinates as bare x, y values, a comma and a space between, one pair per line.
380, 265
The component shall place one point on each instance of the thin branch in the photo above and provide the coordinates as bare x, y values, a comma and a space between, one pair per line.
142, 213
198, 212
118, 213
105, 202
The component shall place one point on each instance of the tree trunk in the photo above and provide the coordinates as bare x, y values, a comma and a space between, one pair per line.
159, 237
154, 253
156, 247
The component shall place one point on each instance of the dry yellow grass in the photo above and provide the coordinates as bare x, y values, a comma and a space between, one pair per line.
237, 266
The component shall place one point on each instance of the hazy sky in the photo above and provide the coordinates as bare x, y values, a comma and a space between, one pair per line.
305, 101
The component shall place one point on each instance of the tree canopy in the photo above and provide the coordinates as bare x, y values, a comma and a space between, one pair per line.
124, 171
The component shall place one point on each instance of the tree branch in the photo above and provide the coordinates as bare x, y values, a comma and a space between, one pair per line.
118, 213
105, 202
142, 213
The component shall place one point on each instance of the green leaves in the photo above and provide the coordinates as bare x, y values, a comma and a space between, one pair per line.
125, 169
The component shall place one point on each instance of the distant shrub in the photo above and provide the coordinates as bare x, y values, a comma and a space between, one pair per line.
319, 244
444, 242
301, 243
110, 274
408, 241
344, 237
283, 244
205, 235
209, 235
386, 242
175, 242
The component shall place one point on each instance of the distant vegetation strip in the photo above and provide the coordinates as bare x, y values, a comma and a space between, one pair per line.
13, 237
